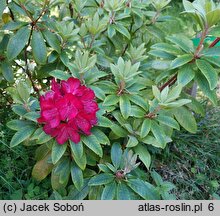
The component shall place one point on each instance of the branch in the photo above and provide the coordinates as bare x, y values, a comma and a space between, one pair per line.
214, 42
71, 9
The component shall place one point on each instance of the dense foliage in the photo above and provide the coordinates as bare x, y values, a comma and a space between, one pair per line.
122, 52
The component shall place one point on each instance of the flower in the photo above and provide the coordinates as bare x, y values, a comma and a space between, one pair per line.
68, 110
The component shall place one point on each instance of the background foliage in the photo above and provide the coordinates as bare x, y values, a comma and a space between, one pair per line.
143, 64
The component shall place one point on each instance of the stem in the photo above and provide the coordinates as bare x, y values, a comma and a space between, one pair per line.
27, 71
153, 114
71, 10
200, 46
214, 42
170, 82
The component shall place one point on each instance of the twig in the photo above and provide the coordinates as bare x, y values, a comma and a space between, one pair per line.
214, 42
71, 9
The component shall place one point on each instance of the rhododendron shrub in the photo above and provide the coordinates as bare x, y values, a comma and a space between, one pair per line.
99, 86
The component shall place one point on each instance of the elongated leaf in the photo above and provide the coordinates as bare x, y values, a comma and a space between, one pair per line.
39, 47
77, 176
17, 42
158, 132
2, 6
213, 17
79, 195
42, 169
119, 131
92, 143
185, 75
23, 134
101, 137
204, 86
132, 141
166, 48
109, 191
168, 121
182, 41
213, 61
52, 40
210, 52
123, 192
18, 124
180, 61
59, 74
185, 119
77, 149
121, 29
58, 151
143, 154
7, 72
116, 154
145, 128
209, 72
144, 189
81, 161
138, 100
101, 179
111, 100
125, 106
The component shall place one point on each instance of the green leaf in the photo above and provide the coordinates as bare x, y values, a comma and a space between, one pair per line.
52, 40
132, 141
39, 47
81, 161
18, 124
185, 119
138, 100
59, 74
180, 61
23, 90
166, 48
174, 93
213, 51
213, 61
209, 72
145, 128
185, 75
125, 106
150, 140
23, 134
204, 86
213, 17
101, 137
58, 151
77, 149
79, 195
156, 93
101, 179
7, 72
168, 121
183, 42
116, 155
43, 138
123, 192
143, 154
158, 132
111, 100
144, 189
119, 131
77, 176
92, 143
109, 191
2, 7
111, 31
121, 29
17, 42
32, 116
